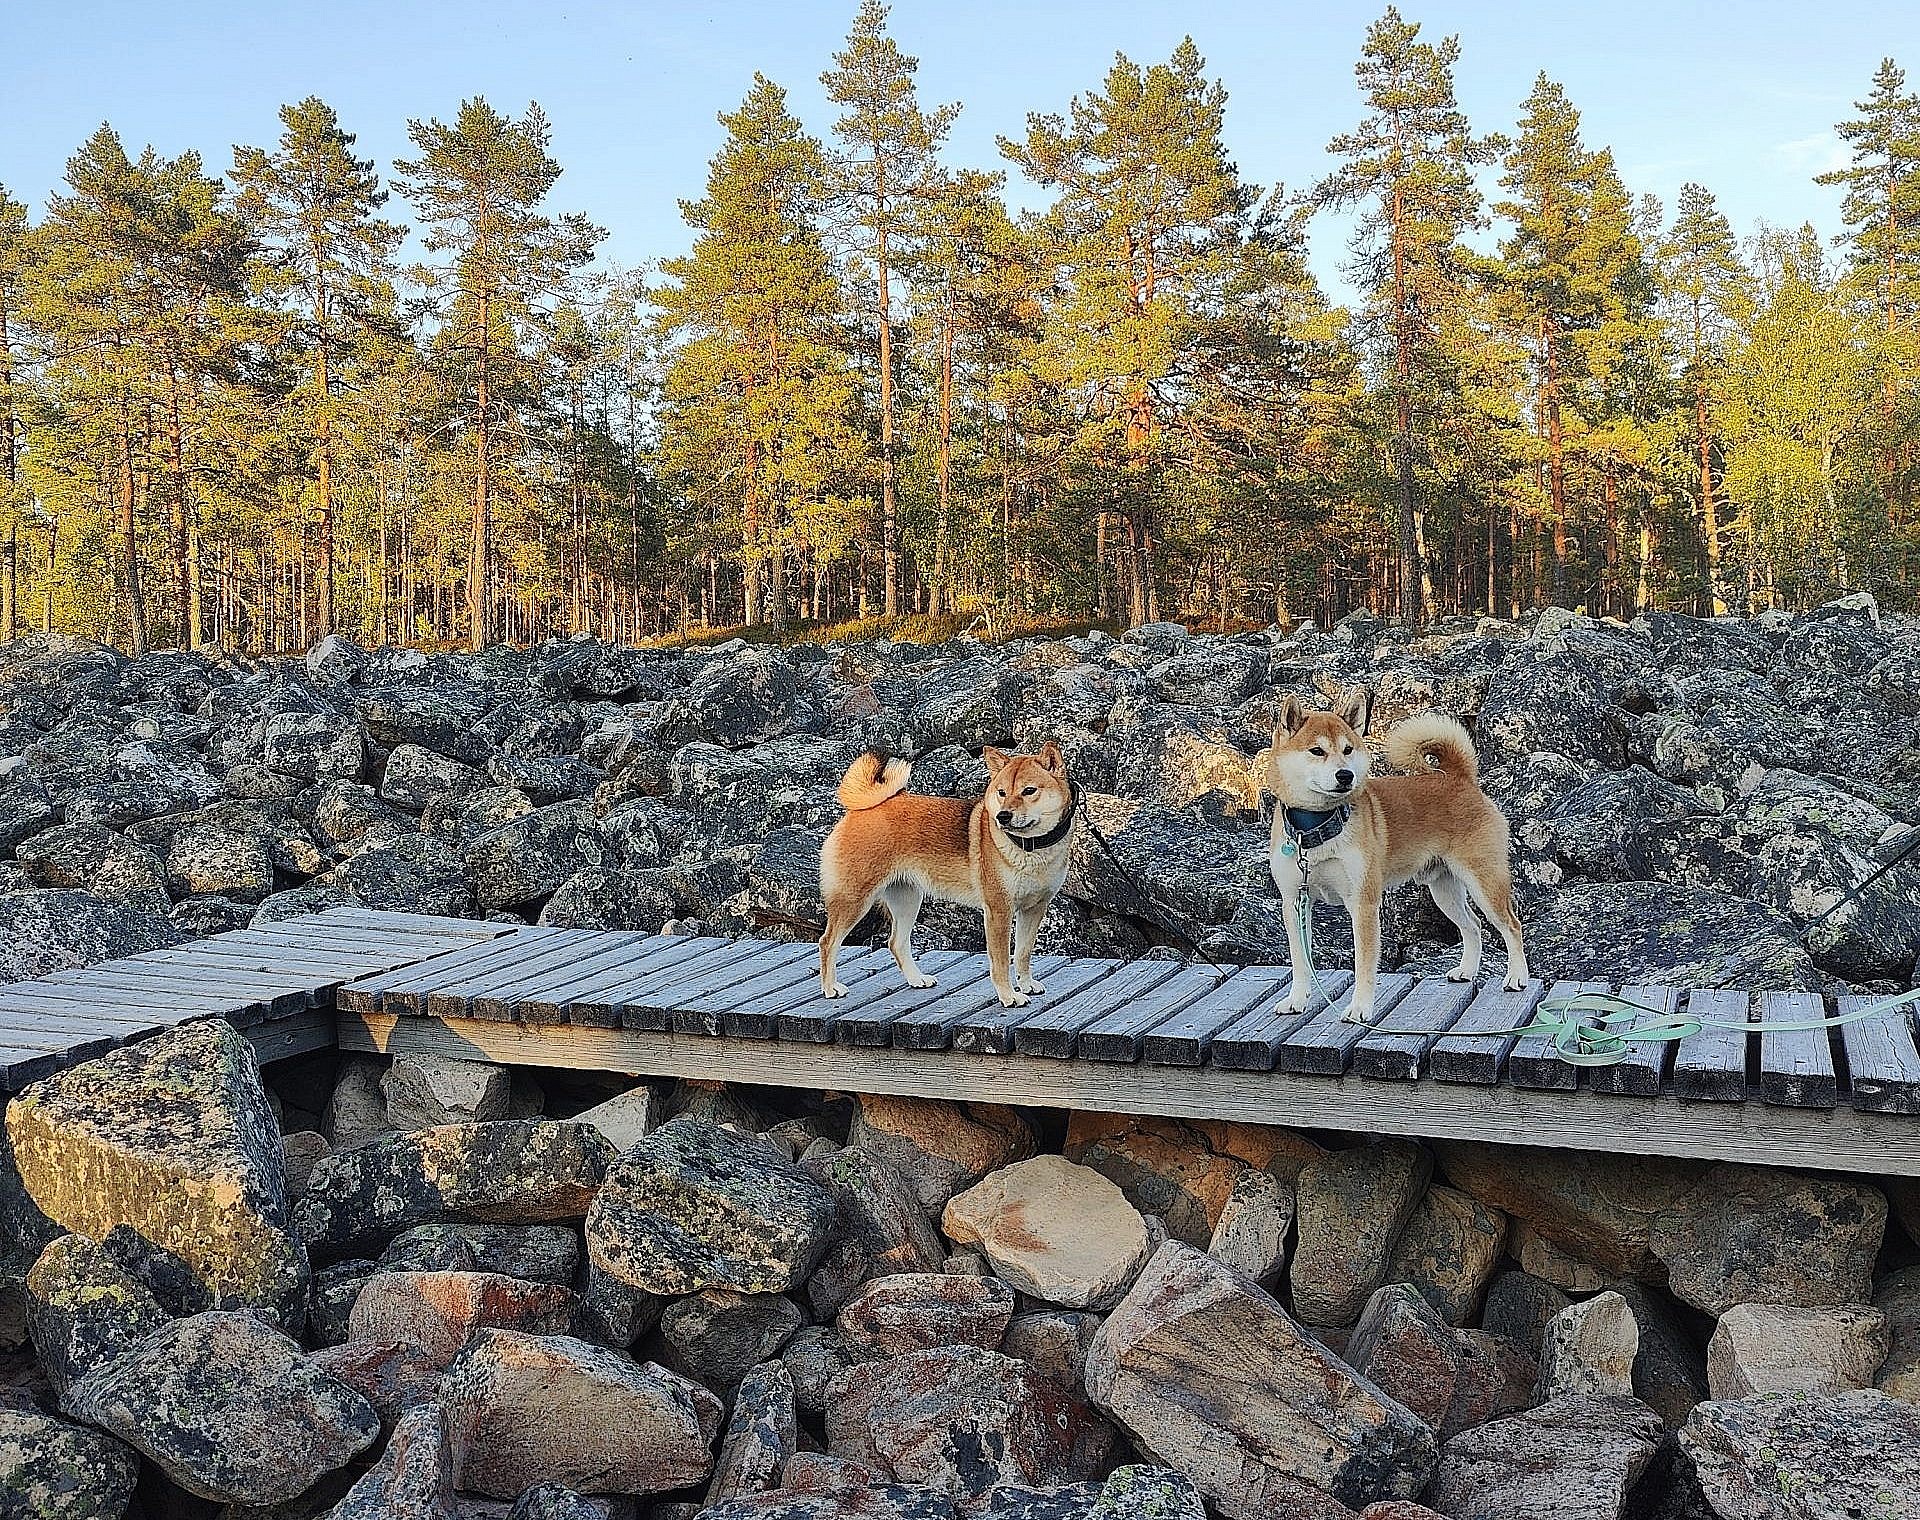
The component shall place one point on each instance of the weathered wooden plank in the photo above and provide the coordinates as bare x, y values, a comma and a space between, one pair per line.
600, 1001
860, 1017
1252, 1041
406, 923
1796, 1066
20, 1067
1883, 1066
173, 1007
702, 1009
407, 985
1396, 1047
1843, 1139
512, 958
1533, 1061
540, 999
1711, 1064
991, 1028
1323, 1043
1050, 1027
1642, 1069
1185, 1037
1118, 1036
654, 1007
930, 1026
20, 1014
497, 996
209, 989
300, 1035
1476, 1048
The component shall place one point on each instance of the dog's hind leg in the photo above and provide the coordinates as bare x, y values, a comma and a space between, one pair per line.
903, 900
1490, 885
1450, 897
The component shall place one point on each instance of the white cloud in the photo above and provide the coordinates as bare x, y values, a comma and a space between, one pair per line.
1818, 154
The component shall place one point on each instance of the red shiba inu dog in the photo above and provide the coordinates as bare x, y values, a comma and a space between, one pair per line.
1348, 836
1005, 855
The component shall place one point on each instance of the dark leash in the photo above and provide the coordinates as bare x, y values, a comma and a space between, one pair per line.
1182, 939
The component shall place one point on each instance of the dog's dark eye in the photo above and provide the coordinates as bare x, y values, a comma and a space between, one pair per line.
1320, 750
1346, 749
1031, 791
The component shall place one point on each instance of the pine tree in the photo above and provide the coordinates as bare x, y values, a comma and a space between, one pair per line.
1148, 214
891, 162
1411, 162
479, 185
316, 203
1704, 281
757, 397
13, 239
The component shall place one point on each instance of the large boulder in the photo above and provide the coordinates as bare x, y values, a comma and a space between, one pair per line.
1575, 1458
1058, 1232
939, 1147
964, 1421
1407, 1351
50, 1470
532, 856
695, 1206
174, 1137
1750, 1234
531, 1409
914, 1311
228, 1408
1450, 1250
880, 1226
718, 1335
1164, 1167
1779, 1348
1210, 1376
413, 1480
762, 1435
1662, 933
1590, 1347
1798, 1456
1350, 1208
439, 1312
509, 1171
83, 1307
55, 930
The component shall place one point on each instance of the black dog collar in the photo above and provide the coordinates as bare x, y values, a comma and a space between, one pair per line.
1055, 834
1309, 830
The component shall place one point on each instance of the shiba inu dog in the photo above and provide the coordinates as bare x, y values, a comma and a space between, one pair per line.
1348, 836
1005, 855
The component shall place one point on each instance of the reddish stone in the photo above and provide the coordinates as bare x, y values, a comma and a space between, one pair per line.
440, 1311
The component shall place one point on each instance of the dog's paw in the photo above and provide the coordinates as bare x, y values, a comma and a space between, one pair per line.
922, 980
1460, 974
1358, 1016
1030, 985
1297, 1001
1014, 1000
836, 990
1514, 983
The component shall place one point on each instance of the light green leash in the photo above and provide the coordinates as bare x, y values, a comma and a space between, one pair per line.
1585, 1028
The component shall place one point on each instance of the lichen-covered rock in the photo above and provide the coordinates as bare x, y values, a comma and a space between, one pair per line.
939, 1147
1897, 1295
696, 1206
413, 777
1140, 1492
761, 1437
1665, 933
1669, 1368
228, 1408
393, 1376
1053, 1342
55, 930
1406, 1351
1520, 1306
312, 745
97, 860
880, 1226
439, 1311
963, 1421
1749, 1234
413, 1480
550, 1409
1350, 1208
1251, 1235
532, 856
1059, 1232
1589, 1347
913, 1311
1163, 1167
1573, 1459
84, 1308
1798, 1456
425, 1092
173, 1136
1210, 1376
1450, 1250
1783, 1348
541, 1253
221, 853
50, 1470
1493, 1378
1600, 1208
718, 1335
508, 1171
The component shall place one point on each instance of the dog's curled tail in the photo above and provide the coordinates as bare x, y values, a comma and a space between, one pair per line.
871, 780
1432, 739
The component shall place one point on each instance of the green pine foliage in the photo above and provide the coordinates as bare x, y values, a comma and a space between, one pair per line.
871, 394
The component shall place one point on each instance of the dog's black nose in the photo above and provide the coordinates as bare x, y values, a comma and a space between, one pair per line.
1344, 778
1006, 816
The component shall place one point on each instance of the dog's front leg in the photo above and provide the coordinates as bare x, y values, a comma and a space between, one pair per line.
1300, 985
1000, 954
1026, 932
1364, 908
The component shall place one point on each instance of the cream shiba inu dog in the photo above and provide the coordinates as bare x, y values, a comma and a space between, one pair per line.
1348, 836
1005, 855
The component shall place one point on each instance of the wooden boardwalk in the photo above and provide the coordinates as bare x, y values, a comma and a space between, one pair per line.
1142, 1036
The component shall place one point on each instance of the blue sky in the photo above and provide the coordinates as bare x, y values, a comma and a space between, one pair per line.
1741, 96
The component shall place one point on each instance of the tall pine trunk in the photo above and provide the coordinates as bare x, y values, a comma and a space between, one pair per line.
889, 507
482, 521
9, 477
323, 380
1411, 572
130, 540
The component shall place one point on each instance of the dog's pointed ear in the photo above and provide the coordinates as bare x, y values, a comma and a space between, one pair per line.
1292, 713
995, 761
1050, 758
1356, 709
